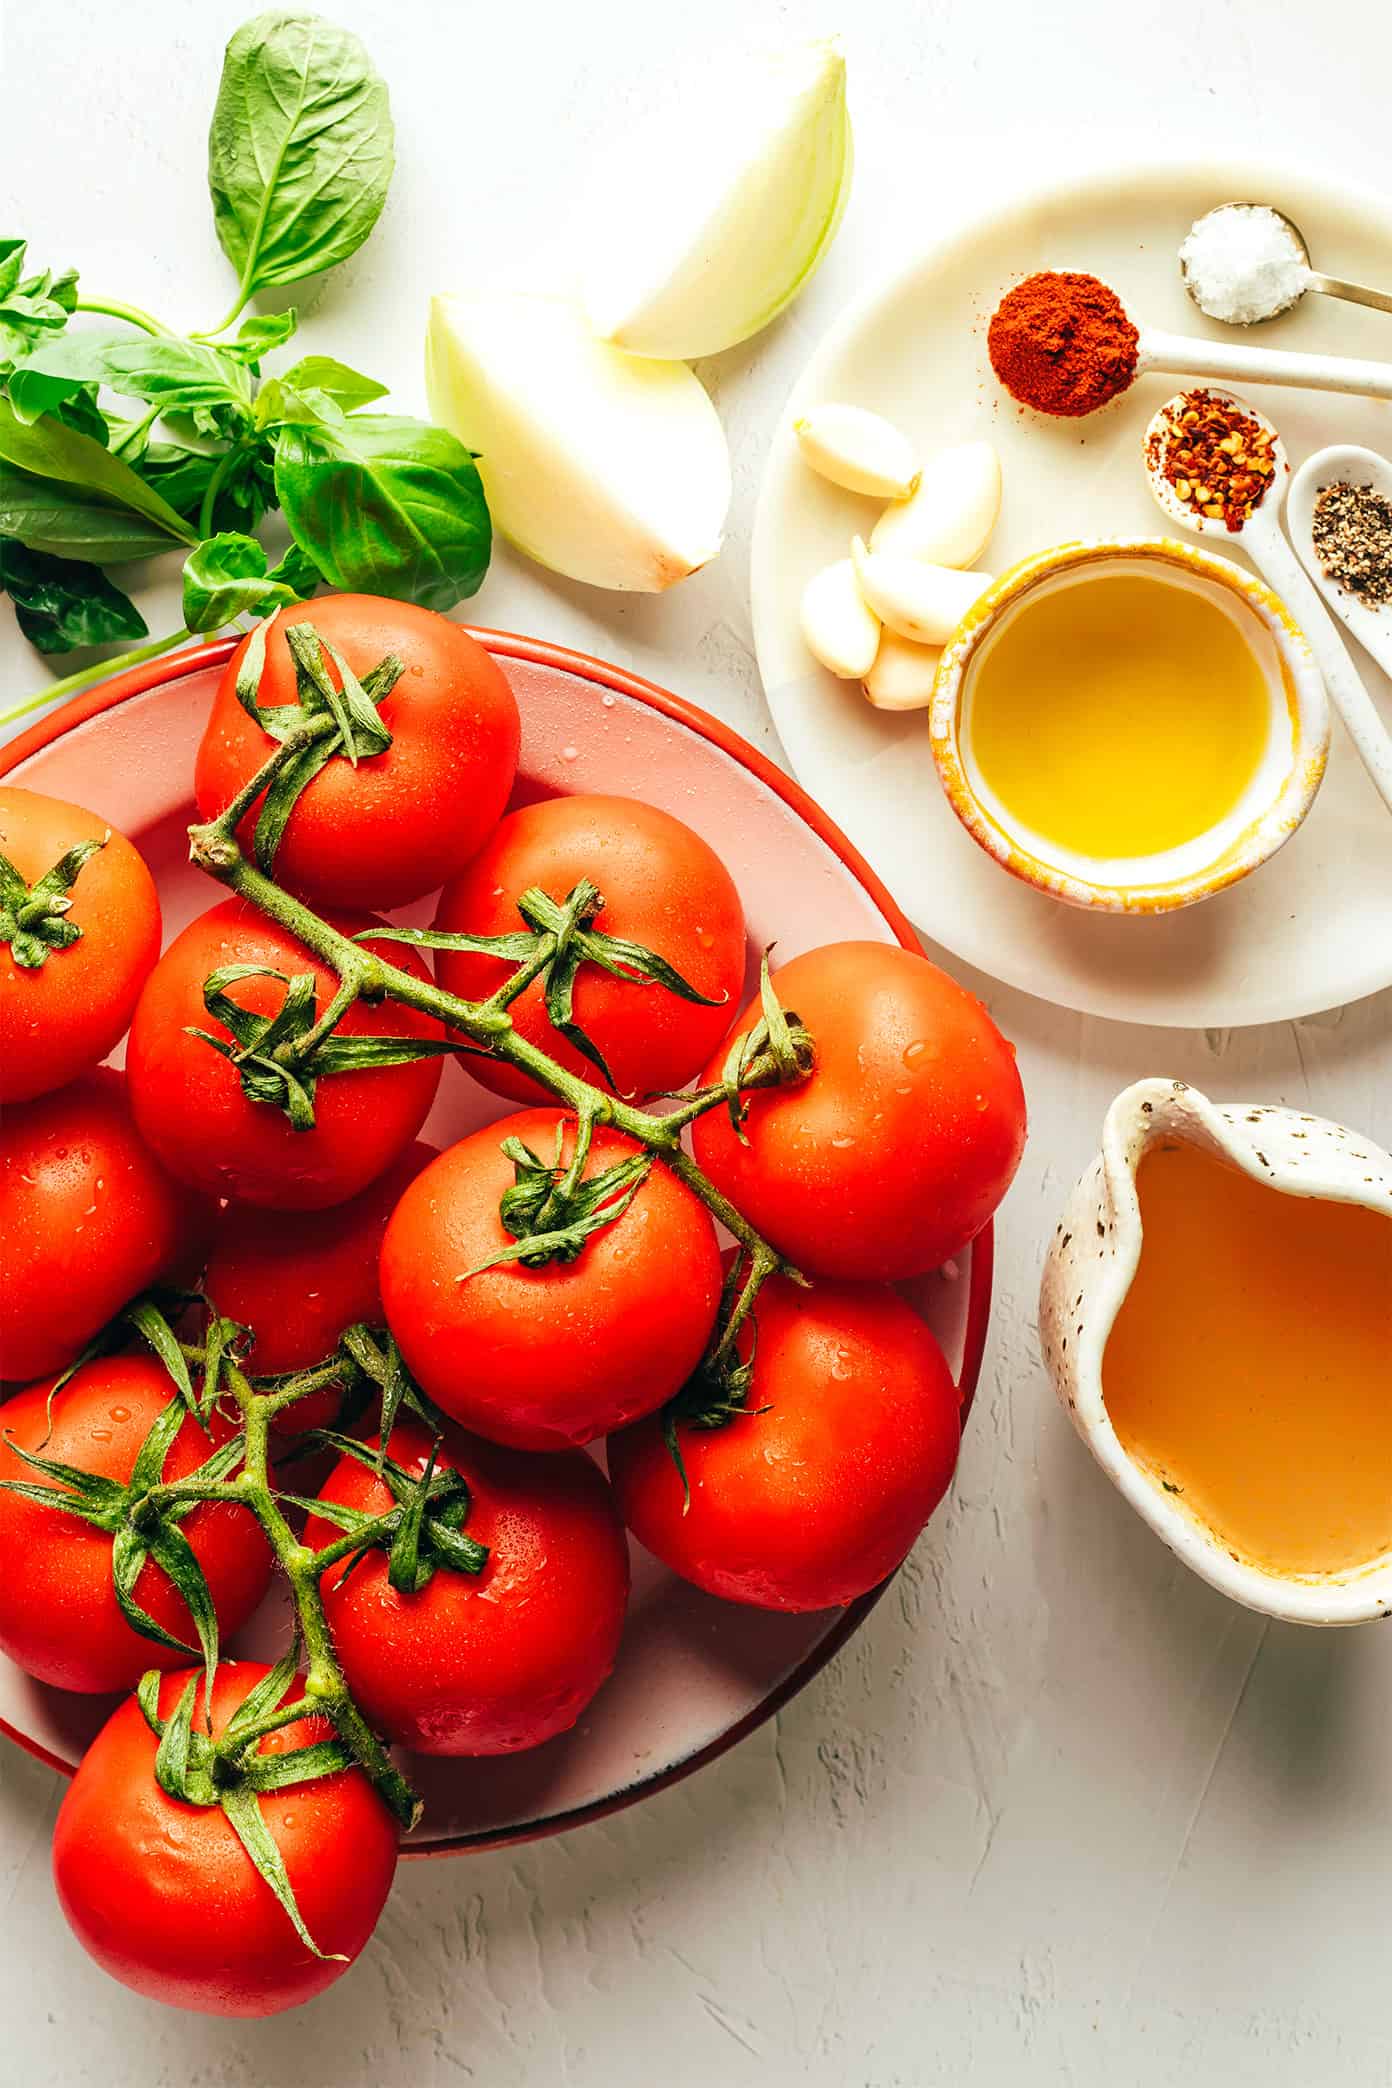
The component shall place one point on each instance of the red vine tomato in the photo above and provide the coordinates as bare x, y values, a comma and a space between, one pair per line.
88, 1217
487, 1662
190, 1101
402, 821
59, 1618
165, 1897
543, 1357
298, 1286
78, 934
664, 889
900, 1145
815, 1492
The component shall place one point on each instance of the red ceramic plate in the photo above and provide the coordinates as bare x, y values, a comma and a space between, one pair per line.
694, 1674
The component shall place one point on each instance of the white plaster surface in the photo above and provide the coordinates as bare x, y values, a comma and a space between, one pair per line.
1059, 1814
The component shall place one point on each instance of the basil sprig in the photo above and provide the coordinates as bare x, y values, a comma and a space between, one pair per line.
121, 441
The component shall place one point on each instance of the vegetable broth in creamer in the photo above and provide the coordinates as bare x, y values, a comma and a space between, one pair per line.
1250, 1367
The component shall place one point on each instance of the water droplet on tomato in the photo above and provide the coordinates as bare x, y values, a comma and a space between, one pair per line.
981, 1102
903, 1090
120, 1413
704, 938
841, 1364
839, 1145
101, 1435
570, 753
607, 701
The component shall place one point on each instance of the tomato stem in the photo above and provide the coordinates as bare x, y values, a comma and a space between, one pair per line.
485, 1023
488, 1027
331, 1698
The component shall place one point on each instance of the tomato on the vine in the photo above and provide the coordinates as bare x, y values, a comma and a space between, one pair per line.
165, 1897
482, 1663
542, 1357
88, 1217
893, 1154
190, 1102
402, 821
664, 889
298, 1286
812, 1494
59, 1618
74, 950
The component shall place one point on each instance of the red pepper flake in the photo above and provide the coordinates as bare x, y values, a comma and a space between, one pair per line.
1062, 343
1219, 460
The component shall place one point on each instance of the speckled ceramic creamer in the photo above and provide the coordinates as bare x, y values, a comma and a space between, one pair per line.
1088, 1271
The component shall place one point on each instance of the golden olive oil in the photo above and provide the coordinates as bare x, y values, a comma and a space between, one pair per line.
1119, 715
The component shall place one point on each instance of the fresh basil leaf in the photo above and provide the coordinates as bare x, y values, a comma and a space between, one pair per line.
386, 506
61, 604
31, 309
325, 374
298, 571
177, 376
300, 151
52, 451
225, 577
259, 335
81, 411
181, 475
278, 404
68, 523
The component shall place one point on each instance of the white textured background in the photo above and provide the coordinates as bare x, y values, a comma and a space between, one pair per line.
1059, 1814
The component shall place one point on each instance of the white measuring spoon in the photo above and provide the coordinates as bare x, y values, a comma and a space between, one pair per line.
1260, 537
1236, 362
1344, 463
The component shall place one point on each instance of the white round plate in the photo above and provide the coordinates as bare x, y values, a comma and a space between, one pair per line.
693, 1674
1313, 927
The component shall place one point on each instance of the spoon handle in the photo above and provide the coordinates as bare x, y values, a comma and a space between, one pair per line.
1234, 361
1352, 293
1278, 563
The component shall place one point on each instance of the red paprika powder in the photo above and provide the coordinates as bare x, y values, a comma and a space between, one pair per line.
1062, 343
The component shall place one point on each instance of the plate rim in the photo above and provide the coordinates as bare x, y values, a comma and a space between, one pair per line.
1086, 173
103, 696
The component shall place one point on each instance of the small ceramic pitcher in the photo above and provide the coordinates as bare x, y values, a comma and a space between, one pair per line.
1088, 1270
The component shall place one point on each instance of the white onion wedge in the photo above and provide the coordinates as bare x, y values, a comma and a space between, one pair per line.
726, 210
838, 627
902, 675
858, 450
922, 602
949, 518
608, 467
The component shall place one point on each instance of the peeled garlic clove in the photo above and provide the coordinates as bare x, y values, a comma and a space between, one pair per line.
949, 519
903, 674
858, 450
608, 467
725, 211
922, 602
839, 629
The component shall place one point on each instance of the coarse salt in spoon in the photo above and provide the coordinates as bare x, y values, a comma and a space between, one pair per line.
1243, 263
1259, 535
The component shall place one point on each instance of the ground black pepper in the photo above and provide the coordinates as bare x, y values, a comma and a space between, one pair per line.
1353, 540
